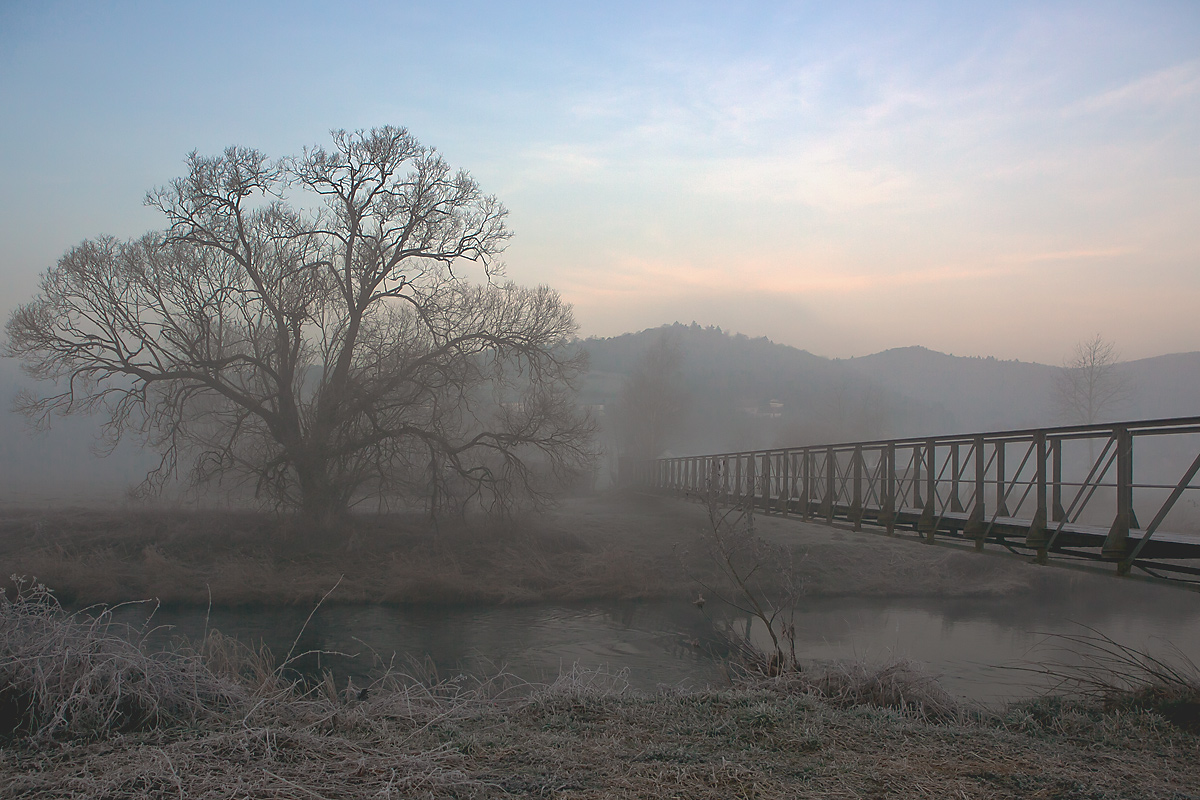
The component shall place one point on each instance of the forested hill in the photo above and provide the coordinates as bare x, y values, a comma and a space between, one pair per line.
987, 394
744, 392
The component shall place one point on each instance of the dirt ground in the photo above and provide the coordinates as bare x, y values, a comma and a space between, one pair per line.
607, 546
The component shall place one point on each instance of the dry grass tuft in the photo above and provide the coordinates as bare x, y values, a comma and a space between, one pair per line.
900, 685
1095, 667
72, 675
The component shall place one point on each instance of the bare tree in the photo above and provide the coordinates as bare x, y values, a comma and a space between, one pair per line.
1090, 383
652, 399
323, 350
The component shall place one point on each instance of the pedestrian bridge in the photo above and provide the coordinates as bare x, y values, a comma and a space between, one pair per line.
1054, 493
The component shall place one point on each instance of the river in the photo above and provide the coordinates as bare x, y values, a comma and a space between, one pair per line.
977, 646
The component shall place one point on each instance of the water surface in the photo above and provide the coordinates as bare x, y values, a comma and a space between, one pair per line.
974, 645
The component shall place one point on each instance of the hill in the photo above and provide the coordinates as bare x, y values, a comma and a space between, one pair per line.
749, 393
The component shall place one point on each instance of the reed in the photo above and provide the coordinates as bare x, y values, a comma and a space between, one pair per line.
1093, 666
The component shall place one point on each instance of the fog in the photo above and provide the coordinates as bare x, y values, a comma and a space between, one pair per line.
734, 393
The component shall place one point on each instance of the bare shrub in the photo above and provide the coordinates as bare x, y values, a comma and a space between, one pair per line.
754, 576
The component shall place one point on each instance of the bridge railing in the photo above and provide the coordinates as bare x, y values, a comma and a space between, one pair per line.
1067, 489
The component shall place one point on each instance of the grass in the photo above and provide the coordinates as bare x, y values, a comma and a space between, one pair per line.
606, 547
79, 675
225, 724
1092, 666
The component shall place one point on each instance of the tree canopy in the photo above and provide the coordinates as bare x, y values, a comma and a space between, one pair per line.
326, 327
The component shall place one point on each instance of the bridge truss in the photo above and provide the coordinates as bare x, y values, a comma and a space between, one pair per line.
1066, 492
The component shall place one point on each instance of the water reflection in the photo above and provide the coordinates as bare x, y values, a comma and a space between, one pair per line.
973, 644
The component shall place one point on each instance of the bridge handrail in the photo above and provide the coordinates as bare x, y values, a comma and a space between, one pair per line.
805, 478
1144, 427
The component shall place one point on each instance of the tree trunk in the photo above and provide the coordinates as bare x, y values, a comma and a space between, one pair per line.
320, 499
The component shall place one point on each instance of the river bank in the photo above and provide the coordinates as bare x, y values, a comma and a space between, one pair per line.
584, 737
615, 546
87, 710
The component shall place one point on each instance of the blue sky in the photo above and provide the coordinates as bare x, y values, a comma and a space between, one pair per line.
983, 179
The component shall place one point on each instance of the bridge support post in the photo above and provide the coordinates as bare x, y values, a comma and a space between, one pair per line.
1056, 508
926, 524
751, 481
888, 513
830, 476
955, 502
785, 481
975, 529
1116, 545
856, 505
737, 479
765, 482
1001, 481
806, 484
1035, 538
917, 461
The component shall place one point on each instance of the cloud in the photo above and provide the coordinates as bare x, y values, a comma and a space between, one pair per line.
1166, 88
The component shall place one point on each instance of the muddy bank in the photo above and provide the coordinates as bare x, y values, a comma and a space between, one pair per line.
605, 547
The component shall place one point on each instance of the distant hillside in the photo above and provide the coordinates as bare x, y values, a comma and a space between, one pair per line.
980, 393
731, 381
745, 392
986, 394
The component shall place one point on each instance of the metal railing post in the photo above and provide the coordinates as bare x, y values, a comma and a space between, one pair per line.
751, 480
917, 460
926, 524
975, 528
765, 481
1035, 538
856, 505
1116, 544
889, 489
1056, 506
830, 476
785, 481
806, 480
955, 502
1001, 481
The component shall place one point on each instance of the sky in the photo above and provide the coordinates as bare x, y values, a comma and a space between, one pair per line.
998, 179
